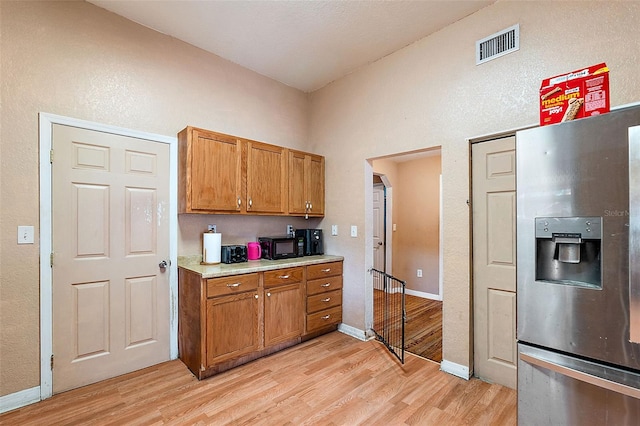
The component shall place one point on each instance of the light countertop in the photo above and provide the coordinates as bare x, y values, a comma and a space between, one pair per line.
192, 263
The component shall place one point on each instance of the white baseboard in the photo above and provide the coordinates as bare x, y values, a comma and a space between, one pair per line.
352, 331
455, 369
19, 399
423, 294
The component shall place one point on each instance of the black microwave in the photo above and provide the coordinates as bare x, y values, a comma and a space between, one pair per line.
281, 247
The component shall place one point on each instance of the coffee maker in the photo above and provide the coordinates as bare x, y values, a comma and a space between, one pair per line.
313, 241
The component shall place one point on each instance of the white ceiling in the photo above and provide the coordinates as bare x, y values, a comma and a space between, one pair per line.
305, 44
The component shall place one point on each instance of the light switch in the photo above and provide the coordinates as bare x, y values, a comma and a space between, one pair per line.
354, 231
25, 234
334, 229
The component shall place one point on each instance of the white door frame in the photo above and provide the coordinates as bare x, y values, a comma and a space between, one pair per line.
46, 312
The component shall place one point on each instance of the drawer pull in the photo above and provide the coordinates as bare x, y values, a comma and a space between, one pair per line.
328, 299
233, 285
326, 317
325, 285
326, 270
284, 277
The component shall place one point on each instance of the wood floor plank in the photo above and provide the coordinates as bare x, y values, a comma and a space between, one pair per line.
423, 325
331, 380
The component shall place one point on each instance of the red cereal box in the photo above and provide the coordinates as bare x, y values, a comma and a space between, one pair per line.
578, 94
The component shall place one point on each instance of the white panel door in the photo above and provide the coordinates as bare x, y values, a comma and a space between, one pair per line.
110, 233
378, 228
494, 260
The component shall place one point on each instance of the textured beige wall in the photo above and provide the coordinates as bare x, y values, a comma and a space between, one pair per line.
77, 60
431, 93
74, 59
416, 240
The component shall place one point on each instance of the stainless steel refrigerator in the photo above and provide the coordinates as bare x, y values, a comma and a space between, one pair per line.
578, 275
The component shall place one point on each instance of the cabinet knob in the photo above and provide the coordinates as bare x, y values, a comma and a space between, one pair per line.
250, 202
239, 202
269, 294
256, 296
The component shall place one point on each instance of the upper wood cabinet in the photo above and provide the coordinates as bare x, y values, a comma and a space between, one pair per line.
209, 172
225, 174
266, 178
306, 184
219, 173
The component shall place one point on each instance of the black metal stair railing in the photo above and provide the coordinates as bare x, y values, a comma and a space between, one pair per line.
389, 313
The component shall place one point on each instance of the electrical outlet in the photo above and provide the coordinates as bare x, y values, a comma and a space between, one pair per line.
354, 231
211, 228
25, 234
419, 273
334, 229
289, 229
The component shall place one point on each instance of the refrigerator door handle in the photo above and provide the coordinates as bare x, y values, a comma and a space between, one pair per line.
582, 376
634, 234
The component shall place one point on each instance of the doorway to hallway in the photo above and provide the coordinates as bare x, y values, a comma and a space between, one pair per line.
406, 206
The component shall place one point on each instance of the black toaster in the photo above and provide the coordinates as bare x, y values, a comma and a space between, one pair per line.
233, 254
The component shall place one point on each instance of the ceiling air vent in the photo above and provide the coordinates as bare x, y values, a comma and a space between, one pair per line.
498, 44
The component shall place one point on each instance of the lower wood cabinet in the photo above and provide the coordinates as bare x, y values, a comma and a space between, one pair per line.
232, 326
283, 305
228, 321
324, 297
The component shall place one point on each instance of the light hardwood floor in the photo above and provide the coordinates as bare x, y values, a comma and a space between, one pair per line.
423, 329
331, 380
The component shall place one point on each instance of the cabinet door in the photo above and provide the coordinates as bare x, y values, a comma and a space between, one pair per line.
283, 313
232, 326
306, 184
297, 188
266, 178
314, 181
216, 173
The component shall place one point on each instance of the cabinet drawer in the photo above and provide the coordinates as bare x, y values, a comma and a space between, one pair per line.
322, 286
324, 270
283, 276
324, 318
322, 301
231, 285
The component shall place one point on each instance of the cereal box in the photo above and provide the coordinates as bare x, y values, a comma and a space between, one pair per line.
578, 94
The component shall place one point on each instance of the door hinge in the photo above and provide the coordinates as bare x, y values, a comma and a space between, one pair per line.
51, 156
51, 259
51, 361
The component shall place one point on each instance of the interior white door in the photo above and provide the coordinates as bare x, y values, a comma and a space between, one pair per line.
378, 228
494, 260
110, 234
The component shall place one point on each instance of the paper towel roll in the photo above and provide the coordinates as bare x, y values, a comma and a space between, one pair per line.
211, 243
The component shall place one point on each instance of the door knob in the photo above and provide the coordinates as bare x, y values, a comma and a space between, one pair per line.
379, 243
164, 264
